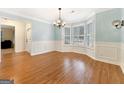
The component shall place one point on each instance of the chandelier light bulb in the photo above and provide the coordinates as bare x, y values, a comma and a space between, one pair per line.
59, 23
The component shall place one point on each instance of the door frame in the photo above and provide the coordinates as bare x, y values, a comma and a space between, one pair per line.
28, 47
13, 35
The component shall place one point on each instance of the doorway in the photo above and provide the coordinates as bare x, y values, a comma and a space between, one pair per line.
7, 39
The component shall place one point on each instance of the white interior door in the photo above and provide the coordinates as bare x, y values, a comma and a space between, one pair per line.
28, 38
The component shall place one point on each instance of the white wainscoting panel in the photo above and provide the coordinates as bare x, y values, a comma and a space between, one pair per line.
104, 51
122, 57
108, 52
58, 45
39, 47
77, 49
90, 52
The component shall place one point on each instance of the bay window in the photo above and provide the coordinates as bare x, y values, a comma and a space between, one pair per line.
81, 35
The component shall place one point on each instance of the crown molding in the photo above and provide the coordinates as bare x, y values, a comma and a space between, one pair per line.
103, 10
49, 22
27, 17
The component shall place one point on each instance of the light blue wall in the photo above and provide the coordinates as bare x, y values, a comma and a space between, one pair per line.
40, 31
122, 30
105, 32
57, 32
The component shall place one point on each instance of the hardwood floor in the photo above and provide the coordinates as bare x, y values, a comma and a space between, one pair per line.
58, 68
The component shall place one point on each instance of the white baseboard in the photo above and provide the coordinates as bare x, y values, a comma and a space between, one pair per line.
122, 67
42, 52
93, 57
108, 61
19, 51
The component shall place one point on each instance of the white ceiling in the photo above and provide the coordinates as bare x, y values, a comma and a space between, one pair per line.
51, 14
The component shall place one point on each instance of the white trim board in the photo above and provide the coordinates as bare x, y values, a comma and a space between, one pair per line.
42, 52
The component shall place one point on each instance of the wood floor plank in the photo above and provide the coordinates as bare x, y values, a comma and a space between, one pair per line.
58, 68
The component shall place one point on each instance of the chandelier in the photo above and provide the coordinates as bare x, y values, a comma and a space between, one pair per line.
59, 22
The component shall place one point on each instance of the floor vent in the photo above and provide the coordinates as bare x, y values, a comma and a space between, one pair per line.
6, 81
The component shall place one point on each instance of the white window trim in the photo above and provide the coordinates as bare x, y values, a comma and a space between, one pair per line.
77, 25
93, 22
63, 36
84, 24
